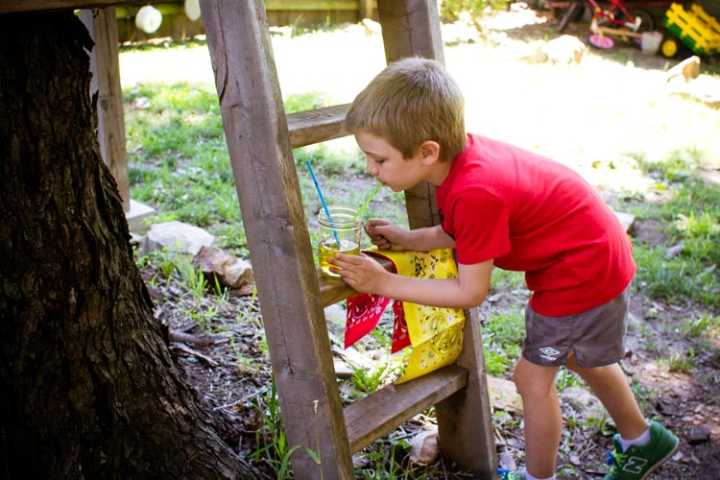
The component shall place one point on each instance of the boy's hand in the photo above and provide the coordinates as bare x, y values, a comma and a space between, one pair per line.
361, 272
386, 235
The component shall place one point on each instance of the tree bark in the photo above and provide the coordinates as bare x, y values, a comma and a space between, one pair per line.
88, 387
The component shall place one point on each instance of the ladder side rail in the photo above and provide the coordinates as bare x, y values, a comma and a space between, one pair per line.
412, 28
267, 185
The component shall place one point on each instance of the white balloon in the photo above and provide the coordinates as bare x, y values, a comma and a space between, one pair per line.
148, 19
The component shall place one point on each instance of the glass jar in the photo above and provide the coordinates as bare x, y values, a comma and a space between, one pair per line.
341, 233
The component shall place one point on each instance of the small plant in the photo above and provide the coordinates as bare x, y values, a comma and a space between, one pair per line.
701, 325
566, 379
369, 380
273, 449
678, 363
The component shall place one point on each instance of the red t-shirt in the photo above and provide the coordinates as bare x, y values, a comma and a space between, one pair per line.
531, 214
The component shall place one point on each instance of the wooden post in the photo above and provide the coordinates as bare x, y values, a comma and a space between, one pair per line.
366, 9
105, 68
412, 28
267, 185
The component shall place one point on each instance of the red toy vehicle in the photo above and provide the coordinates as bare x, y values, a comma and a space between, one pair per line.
634, 15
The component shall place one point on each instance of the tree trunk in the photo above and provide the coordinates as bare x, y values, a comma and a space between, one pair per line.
87, 386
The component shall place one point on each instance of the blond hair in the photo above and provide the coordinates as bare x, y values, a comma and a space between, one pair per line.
411, 101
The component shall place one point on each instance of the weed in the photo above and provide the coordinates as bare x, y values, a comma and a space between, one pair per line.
701, 325
502, 337
273, 449
566, 379
368, 380
679, 363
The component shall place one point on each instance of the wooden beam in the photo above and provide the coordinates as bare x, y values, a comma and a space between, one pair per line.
409, 28
105, 68
381, 412
13, 6
412, 28
256, 132
465, 419
295, 5
315, 126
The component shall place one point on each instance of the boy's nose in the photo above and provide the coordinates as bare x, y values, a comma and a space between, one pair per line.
371, 168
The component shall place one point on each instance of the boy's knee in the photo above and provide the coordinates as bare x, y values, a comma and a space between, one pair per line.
530, 385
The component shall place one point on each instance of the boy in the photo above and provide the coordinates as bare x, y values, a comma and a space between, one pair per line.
504, 207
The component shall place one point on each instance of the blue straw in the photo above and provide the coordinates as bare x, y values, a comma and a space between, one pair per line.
322, 201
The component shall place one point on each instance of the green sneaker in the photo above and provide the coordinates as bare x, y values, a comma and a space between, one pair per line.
511, 475
637, 463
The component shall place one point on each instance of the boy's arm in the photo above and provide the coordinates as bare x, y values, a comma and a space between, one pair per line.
429, 238
468, 290
388, 236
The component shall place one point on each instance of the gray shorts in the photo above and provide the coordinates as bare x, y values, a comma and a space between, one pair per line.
596, 337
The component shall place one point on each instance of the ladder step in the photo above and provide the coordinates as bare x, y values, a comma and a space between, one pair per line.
381, 412
334, 290
315, 126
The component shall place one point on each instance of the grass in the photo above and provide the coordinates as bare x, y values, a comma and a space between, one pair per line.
691, 212
502, 338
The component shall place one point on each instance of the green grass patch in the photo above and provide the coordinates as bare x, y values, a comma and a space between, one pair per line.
692, 215
502, 338
179, 164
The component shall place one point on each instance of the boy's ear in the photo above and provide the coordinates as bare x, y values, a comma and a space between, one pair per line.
429, 152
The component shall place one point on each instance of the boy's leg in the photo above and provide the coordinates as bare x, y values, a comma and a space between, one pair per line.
610, 386
541, 407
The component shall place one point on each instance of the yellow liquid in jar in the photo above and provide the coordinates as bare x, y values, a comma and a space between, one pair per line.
329, 249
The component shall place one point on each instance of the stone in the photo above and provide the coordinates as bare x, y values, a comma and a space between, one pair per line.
698, 435
178, 236
424, 448
565, 49
626, 220
584, 403
504, 395
232, 271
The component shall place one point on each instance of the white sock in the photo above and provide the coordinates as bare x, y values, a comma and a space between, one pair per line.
643, 439
530, 477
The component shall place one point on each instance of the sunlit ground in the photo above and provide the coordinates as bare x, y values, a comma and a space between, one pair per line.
595, 116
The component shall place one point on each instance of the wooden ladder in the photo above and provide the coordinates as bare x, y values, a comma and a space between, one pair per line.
260, 138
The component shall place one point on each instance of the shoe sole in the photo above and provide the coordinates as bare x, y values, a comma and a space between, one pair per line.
662, 460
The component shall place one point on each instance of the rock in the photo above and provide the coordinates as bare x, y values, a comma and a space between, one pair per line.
698, 435
688, 69
371, 26
178, 236
342, 370
565, 49
626, 220
232, 271
424, 448
675, 250
584, 403
504, 395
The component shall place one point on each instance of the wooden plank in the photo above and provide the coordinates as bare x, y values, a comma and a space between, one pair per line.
410, 28
380, 413
367, 8
300, 5
315, 126
267, 185
12, 6
465, 418
105, 68
334, 290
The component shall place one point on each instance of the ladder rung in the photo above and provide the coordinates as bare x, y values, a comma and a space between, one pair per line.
333, 290
380, 413
315, 126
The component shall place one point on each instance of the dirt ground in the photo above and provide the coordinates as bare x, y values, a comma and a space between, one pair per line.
590, 115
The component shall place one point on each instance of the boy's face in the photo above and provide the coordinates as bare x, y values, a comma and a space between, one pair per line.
387, 164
